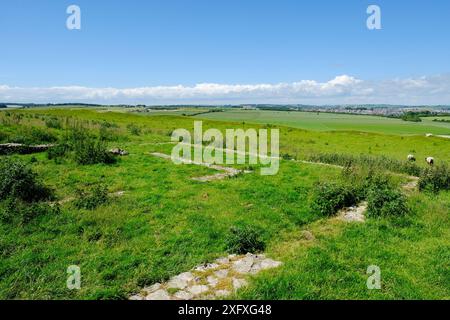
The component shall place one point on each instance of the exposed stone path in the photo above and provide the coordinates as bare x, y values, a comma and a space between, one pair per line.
209, 281
354, 213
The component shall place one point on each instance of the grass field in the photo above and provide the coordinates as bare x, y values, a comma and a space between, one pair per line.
331, 122
165, 223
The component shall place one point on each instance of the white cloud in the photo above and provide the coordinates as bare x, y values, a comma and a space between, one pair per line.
341, 89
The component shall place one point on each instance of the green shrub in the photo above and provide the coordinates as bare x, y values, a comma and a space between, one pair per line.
33, 135
91, 198
18, 181
435, 179
57, 151
109, 133
91, 151
384, 200
15, 211
381, 163
134, 129
329, 198
108, 125
86, 148
244, 239
54, 123
4, 137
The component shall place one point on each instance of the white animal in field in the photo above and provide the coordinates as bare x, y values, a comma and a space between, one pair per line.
411, 157
430, 161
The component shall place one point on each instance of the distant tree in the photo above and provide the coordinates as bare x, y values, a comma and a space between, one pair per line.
3, 106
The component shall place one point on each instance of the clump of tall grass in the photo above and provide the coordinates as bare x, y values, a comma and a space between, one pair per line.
83, 146
17, 180
33, 135
330, 197
435, 179
87, 148
22, 194
358, 184
377, 162
245, 239
384, 200
91, 197
53, 123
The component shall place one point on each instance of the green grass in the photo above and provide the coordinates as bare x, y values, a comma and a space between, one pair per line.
410, 251
165, 223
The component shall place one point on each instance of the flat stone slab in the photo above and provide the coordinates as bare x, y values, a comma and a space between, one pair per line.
209, 280
183, 295
160, 294
198, 289
180, 281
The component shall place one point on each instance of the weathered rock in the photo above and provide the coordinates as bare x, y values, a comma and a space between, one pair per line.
222, 293
152, 288
180, 281
207, 266
183, 295
212, 281
354, 214
118, 152
307, 235
8, 148
269, 263
160, 294
198, 289
238, 283
221, 273
222, 260
243, 265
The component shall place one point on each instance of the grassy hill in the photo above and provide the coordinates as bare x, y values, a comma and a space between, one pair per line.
157, 222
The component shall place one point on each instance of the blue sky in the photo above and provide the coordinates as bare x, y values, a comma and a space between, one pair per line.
237, 46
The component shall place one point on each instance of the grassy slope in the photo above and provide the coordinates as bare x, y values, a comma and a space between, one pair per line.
292, 141
330, 122
166, 223
411, 252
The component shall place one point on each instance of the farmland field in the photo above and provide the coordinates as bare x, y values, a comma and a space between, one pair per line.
331, 121
157, 222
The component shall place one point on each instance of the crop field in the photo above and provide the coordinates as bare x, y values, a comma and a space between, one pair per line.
331, 122
152, 221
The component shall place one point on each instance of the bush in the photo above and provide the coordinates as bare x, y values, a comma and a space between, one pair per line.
33, 135
57, 151
18, 181
54, 123
14, 211
92, 151
329, 198
435, 179
244, 239
383, 200
4, 137
134, 130
92, 197
87, 149
374, 162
